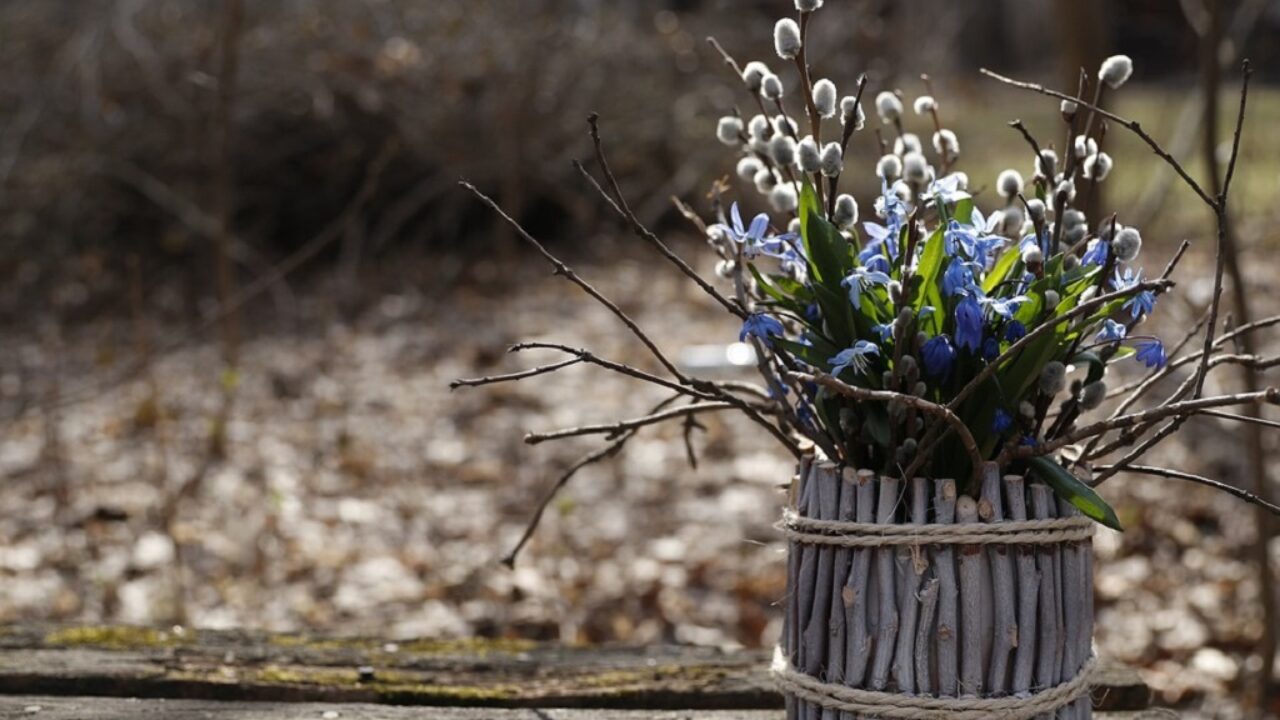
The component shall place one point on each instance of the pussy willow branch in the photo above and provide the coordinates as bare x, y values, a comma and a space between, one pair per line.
1026, 135
1179, 475
623, 425
919, 403
608, 451
1180, 410
1132, 125
931, 438
511, 377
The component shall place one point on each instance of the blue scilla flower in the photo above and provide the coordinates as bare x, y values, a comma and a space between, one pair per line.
1004, 307
753, 238
969, 323
1096, 254
949, 189
884, 331
1139, 304
862, 279
1111, 331
1001, 422
857, 357
1151, 353
812, 313
958, 279
761, 326
938, 355
1014, 331
871, 259
990, 349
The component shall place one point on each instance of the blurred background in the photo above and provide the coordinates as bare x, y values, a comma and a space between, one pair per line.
237, 274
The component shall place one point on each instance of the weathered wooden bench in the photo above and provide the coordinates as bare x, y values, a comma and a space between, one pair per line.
125, 672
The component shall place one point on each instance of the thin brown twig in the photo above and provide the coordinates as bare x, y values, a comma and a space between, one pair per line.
568, 273
608, 451
620, 426
1179, 475
919, 403
510, 377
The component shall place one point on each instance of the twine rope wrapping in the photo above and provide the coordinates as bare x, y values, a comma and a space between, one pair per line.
853, 534
919, 707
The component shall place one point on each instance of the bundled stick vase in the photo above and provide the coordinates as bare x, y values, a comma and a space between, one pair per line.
910, 599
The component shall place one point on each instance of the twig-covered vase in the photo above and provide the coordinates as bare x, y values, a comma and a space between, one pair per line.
914, 600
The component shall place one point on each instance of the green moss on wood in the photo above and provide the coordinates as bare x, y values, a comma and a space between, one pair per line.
114, 637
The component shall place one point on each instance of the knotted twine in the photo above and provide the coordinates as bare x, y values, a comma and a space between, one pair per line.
919, 707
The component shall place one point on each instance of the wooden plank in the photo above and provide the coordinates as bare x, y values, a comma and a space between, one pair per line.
77, 708
235, 665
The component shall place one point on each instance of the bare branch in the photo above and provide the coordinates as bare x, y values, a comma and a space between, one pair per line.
624, 425
919, 403
590, 458
568, 273
589, 357
1179, 475
532, 372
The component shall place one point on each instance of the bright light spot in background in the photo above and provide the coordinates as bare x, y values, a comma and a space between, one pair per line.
740, 353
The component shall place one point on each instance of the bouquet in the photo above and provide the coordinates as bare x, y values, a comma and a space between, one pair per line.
959, 324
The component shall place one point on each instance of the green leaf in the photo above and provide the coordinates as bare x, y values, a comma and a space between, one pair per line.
1070, 488
1096, 366
1001, 269
828, 251
964, 211
930, 290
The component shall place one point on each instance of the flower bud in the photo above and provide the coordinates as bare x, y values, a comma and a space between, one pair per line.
1066, 189
1089, 293
851, 111
824, 98
771, 87
724, 269
894, 289
1127, 244
946, 143
1046, 164
1036, 209
1009, 183
754, 73
1092, 395
758, 127
783, 150
748, 167
782, 198
1027, 410
907, 143
786, 39
765, 180
1073, 218
1051, 299
1085, 146
793, 226
729, 130
832, 159
1070, 262
785, 125
925, 104
920, 389
889, 168
915, 168
1068, 109
808, 5
1032, 255
809, 155
888, 107
1097, 166
1115, 71
1053, 378
846, 211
